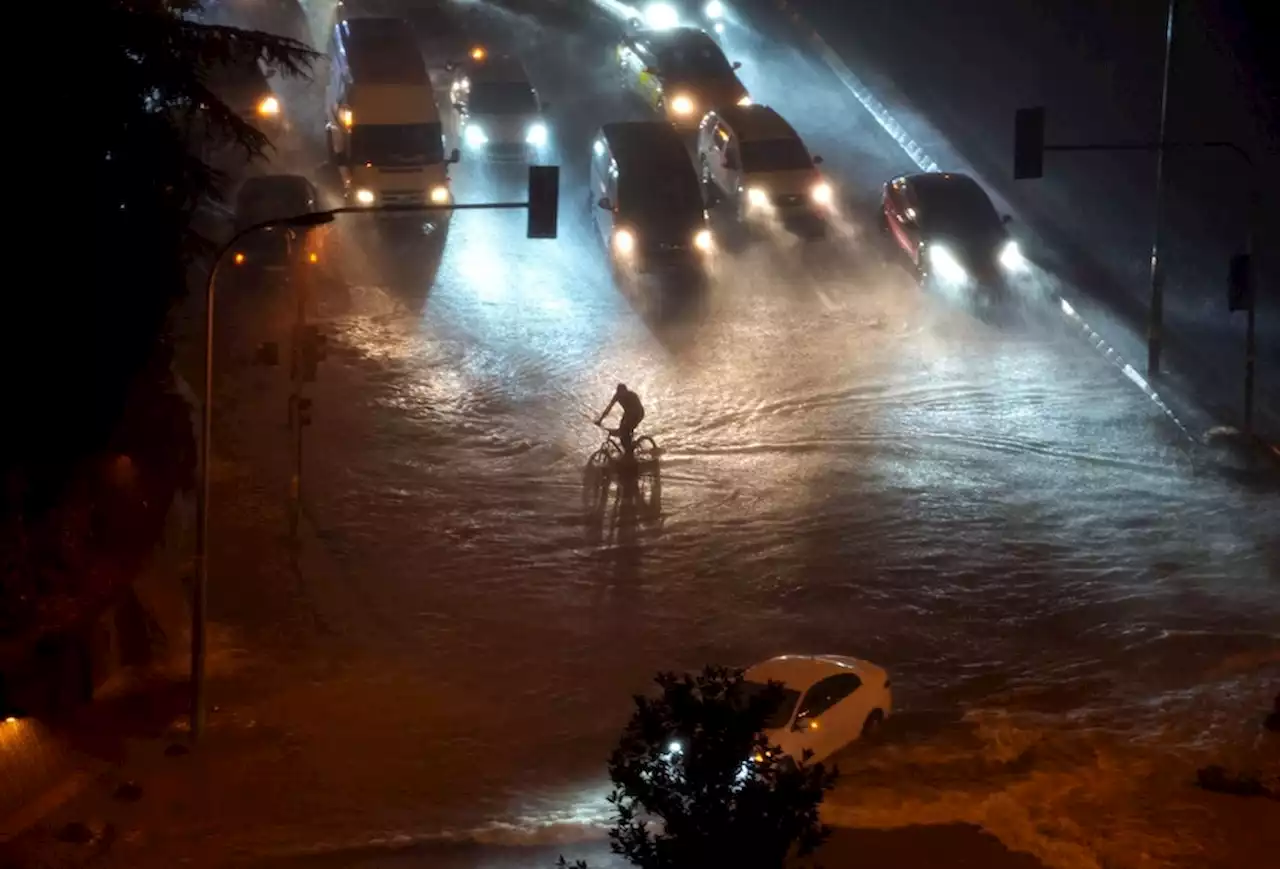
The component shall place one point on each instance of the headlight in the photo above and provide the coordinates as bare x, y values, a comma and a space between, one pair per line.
744, 100
821, 193
365, 197
945, 264
715, 9
661, 15
537, 136
439, 194
1011, 257
757, 198
475, 136
624, 241
682, 105
269, 107
702, 240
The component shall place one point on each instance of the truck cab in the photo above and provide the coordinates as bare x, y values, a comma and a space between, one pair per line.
385, 133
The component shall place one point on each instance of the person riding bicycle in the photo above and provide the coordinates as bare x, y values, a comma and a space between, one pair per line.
632, 415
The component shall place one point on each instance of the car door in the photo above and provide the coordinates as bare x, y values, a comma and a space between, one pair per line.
629, 64
717, 141
731, 165
900, 217
817, 724
648, 75
842, 722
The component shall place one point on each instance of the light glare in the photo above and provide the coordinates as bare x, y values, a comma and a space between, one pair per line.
945, 264
661, 16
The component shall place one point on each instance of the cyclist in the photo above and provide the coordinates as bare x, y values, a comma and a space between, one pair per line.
632, 415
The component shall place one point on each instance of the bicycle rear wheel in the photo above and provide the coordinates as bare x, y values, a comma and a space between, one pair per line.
646, 449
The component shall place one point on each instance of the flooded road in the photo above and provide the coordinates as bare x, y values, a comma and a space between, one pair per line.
1065, 594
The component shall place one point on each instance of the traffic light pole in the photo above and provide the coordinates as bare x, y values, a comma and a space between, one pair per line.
295, 402
1155, 313
1033, 169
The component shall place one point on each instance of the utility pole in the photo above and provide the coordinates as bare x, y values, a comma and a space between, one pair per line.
1155, 313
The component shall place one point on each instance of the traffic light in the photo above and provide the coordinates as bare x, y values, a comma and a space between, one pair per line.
544, 201
1028, 143
312, 350
1239, 283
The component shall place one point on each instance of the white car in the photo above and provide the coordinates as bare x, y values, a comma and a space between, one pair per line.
830, 701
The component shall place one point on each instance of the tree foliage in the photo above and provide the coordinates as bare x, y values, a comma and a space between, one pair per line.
696, 783
141, 172
86, 375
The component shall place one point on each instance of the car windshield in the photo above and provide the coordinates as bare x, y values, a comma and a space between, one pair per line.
502, 98
780, 715
662, 198
961, 209
397, 144
775, 155
693, 59
271, 198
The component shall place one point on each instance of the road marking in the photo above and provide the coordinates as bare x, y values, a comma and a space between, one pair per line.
825, 299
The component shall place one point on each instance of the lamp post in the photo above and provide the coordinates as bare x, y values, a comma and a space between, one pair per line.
543, 209
200, 589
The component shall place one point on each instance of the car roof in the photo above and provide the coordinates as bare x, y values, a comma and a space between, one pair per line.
675, 36
801, 672
757, 122
498, 68
934, 184
648, 141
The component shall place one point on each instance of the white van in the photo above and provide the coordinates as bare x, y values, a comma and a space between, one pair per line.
384, 131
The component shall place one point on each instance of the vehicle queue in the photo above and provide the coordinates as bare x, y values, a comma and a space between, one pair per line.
656, 184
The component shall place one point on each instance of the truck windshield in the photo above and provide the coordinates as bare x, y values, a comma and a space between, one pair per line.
397, 144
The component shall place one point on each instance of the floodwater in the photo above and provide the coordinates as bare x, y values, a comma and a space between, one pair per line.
1075, 607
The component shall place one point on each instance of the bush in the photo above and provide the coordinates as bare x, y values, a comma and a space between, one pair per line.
697, 785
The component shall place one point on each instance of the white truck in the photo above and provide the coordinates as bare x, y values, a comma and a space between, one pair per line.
384, 130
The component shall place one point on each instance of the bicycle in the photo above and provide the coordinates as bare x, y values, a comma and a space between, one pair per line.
644, 450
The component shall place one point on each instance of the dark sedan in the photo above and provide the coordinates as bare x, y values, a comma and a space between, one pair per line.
950, 230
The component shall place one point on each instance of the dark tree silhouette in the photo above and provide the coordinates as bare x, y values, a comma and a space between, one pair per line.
88, 371
696, 783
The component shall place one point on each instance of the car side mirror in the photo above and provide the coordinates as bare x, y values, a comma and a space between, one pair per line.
1006, 219
455, 156
817, 159
737, 64
604, 203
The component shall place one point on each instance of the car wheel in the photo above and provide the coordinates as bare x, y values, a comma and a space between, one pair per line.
872, 726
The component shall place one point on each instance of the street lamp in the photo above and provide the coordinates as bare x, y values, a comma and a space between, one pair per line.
199, 592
